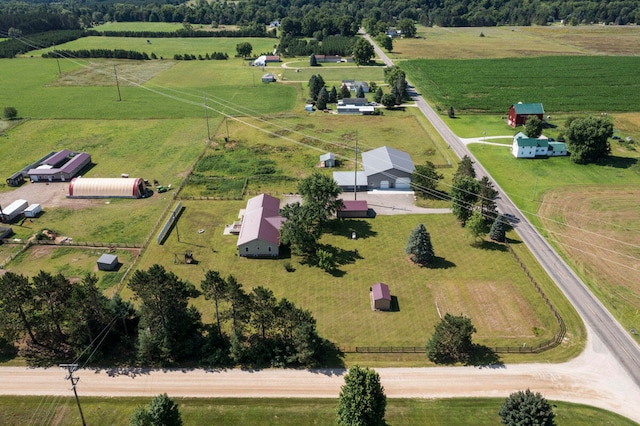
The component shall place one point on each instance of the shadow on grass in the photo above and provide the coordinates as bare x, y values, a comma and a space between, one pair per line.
618, 162
346, 228
440, 263
484, 357
492, 245
395, 305
340, 257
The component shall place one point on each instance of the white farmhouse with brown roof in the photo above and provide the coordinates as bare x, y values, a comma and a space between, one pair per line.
260, 230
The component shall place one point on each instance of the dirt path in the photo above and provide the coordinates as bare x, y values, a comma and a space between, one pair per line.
589, 379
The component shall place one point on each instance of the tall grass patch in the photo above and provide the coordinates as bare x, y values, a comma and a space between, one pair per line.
561, 83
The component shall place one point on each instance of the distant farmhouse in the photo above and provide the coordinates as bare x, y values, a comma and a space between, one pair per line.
263, 60
268, 78
59, 166
355, 106
384, 168
526, 147
353, 85
519, 113
260, 228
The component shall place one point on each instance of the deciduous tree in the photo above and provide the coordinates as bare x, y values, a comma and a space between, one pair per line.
244, 49
320, 192
476, 227
407, 27
588, 139
419, 246
464, 195
526, 408
425, 178
385, 42
162, 411
362, 401
533, 126
451, 341
10, 113
388, 100
362, 52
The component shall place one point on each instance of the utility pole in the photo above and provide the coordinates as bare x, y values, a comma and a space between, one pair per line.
57, 59
117, 84
206, 111
226, 122
355, 172
74, 381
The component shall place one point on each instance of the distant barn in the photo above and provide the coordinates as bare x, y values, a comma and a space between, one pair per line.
519, 113
106, 188
62, 166
380, 297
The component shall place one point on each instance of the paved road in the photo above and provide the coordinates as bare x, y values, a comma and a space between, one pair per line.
597, 318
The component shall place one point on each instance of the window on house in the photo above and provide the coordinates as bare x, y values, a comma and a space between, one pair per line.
246, 249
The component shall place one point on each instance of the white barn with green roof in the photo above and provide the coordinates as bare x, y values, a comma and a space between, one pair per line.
526, 147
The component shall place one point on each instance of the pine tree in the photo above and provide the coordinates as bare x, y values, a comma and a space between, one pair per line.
419, 246
526, 408
497, 232
333, 95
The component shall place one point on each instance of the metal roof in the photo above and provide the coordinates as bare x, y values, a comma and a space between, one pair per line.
354, 205
105, 187
380, 291
261, 220
527, 109
346, 178
386, 158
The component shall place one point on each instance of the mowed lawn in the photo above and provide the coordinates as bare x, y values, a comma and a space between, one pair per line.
503, 305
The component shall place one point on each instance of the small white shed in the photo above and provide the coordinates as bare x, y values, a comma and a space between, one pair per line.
33, 210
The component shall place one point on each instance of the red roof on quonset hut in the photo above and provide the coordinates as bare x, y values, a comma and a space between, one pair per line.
380, 291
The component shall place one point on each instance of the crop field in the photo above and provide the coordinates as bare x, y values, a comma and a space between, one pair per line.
562, 83
290, 411
167, 47
518, 42
333, 75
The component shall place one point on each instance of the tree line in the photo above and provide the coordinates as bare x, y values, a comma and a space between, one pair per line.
47, 319
99, 53
320, 18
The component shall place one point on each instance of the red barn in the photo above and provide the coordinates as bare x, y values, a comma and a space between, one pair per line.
518, 113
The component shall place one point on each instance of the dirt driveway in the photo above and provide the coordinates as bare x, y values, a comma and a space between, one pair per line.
48, 195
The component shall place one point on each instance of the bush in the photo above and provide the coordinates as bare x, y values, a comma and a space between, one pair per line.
10, 113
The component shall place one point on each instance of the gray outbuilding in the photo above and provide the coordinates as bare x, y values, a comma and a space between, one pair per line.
387, 168
108, 262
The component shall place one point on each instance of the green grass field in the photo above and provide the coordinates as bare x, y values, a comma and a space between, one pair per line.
167, 47
561, 83
227, 411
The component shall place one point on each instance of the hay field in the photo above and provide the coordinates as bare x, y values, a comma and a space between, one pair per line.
515, 42
598, 229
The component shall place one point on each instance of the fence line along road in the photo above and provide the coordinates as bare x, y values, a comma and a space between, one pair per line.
596, 317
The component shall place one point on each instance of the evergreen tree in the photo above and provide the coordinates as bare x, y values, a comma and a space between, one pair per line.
465, 168
378, 96
359, 92
451, 341
344, 92
333, 95
419, 246
487, 195
323, 98
362, 401
526, 408
451, 113
498, 232
316, 83
313, 61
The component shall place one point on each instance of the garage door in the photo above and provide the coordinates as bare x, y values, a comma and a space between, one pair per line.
403, 183
384, 184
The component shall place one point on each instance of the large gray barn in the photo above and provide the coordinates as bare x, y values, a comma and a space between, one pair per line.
387, 168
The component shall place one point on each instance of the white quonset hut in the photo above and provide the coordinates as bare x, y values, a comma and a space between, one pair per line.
106, 188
